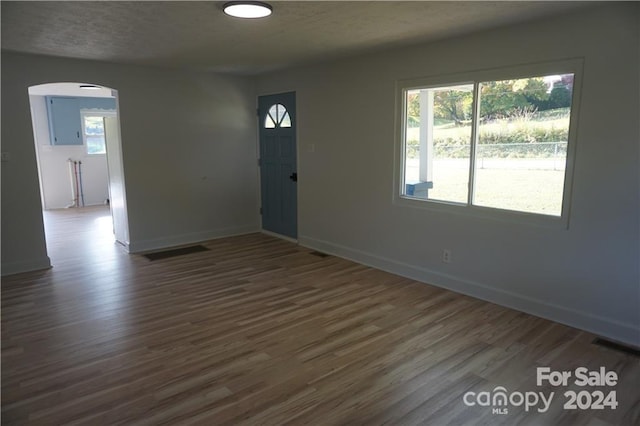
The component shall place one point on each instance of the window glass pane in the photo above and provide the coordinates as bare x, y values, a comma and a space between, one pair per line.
286, 120
273, 111
281, 110
96, 145
438, 143
94, 125
269, 123
522, 143
94, 134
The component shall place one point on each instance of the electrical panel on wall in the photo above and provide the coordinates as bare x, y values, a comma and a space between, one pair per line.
64, 120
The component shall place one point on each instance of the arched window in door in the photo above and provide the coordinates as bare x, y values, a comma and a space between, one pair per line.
277, 116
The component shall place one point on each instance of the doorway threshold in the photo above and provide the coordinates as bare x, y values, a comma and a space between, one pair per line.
282, 237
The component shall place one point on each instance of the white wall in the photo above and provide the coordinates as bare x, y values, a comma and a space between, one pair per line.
54, 168
189, 154
586, 276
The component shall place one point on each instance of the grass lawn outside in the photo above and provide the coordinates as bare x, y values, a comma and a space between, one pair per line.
530, 185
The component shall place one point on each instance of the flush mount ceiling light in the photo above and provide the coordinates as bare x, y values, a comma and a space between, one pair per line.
90, 87
247, 9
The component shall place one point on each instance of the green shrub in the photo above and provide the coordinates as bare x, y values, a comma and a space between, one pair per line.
514, 133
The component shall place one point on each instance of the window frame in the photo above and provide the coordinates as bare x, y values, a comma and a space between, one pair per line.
574, 66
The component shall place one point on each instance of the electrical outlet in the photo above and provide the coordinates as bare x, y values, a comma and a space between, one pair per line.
447, 256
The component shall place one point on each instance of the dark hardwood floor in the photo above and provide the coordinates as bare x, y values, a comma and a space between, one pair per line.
260, 331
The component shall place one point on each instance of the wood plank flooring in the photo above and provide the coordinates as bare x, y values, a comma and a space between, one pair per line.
260, 331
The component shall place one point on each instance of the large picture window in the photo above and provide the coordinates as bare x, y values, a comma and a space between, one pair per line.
489, 143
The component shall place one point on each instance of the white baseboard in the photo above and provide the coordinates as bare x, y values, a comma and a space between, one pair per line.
11, 268
191, 238
605, 327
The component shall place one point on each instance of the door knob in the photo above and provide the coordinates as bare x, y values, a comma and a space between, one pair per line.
294, 177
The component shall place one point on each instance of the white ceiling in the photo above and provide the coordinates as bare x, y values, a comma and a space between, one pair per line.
197, 35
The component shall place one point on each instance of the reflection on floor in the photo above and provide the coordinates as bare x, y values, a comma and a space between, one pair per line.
73, 233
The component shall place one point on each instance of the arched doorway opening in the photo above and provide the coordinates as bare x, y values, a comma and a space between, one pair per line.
79, 155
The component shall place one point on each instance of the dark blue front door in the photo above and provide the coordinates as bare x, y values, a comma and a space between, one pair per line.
278, 171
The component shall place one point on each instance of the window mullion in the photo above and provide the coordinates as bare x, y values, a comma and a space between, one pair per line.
475, 119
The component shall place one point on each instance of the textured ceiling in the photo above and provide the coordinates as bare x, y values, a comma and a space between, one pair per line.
197, 35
